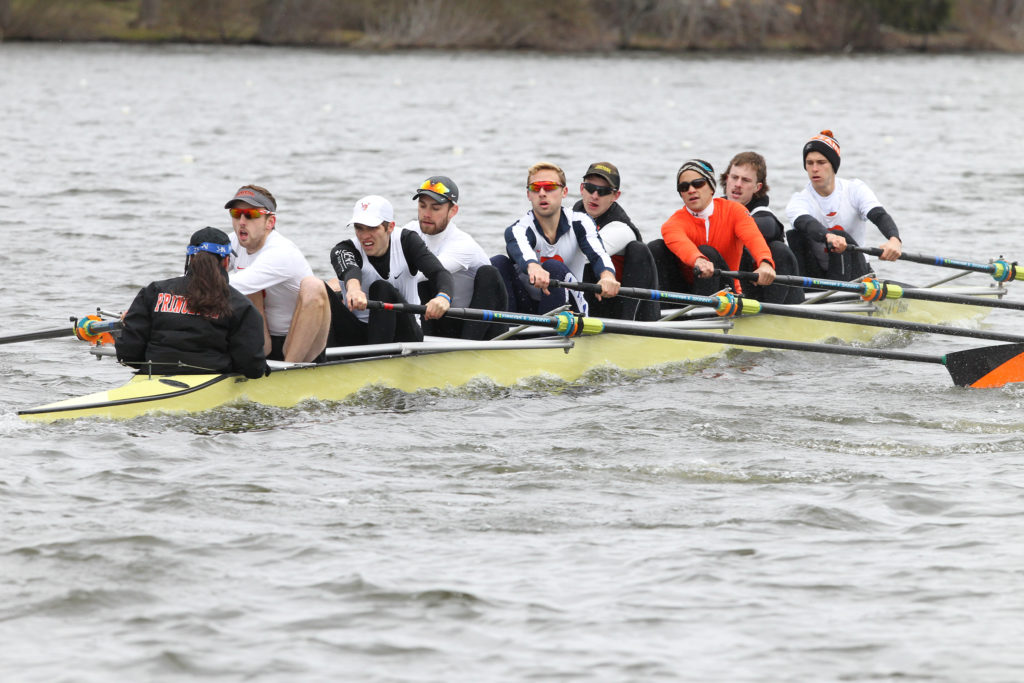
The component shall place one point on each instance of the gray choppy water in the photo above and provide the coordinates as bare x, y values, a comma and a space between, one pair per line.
762, 517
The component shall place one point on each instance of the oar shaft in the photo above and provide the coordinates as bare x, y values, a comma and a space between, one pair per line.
1000, 270
989, 366
907, 325
596, 325
805, 313
85, 325
35, 336
641, 293
472, 314
624, 327
861, 288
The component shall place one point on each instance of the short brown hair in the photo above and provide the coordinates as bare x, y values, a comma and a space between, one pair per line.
755, 161
545, 166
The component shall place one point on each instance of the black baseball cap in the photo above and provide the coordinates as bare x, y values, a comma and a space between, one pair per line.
439, 187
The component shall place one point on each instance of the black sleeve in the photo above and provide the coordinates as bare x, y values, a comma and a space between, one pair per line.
769, 225
810, 227
886, 225
422, 260
134, 338
347, 261
246, 341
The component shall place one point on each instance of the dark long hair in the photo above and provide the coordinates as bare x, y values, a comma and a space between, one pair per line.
207, 291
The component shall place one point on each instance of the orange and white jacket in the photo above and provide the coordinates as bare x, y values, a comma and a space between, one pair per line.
726, 225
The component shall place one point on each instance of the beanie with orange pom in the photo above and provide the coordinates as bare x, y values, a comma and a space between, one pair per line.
826, 144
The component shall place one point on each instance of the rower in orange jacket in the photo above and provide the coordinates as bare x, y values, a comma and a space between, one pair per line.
707, 233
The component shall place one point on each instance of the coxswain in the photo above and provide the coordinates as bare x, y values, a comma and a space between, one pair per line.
196, 323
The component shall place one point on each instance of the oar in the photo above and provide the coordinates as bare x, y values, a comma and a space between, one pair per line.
1000, 270
34, 336
989, 366
876, 290
734, 305
83, 329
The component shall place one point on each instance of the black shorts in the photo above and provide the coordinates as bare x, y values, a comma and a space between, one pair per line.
277, 350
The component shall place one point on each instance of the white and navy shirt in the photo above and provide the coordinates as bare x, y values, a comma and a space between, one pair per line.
576, 243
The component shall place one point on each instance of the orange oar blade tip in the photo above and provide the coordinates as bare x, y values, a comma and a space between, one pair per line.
987, 367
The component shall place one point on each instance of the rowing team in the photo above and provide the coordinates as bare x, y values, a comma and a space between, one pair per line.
229, 315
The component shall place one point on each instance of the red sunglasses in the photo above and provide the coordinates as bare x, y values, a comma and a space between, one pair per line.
251, 214
545, 185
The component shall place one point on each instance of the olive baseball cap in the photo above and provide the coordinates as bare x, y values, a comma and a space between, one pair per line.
606, 170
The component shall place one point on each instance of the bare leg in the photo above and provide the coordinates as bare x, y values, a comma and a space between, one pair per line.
307, 335
257, 300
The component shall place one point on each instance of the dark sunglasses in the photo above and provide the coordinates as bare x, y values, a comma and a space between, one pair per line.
696, 184
600, 190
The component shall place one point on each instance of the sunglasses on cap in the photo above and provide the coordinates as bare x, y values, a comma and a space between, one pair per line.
697, 184
437, 187
251, 214
599, 190
543, 185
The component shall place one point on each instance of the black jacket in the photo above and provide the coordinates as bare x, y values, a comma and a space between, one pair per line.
614, 213
769, 225
159, 328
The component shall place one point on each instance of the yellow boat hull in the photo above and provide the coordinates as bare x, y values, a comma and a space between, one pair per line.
338, 380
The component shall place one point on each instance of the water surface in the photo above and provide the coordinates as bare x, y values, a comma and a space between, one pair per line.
768, 516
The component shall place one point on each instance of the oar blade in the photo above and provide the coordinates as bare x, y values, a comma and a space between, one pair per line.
987, 367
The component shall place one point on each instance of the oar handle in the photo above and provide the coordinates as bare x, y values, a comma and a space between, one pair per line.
553, 321
717, 302
581, 286
567, 324
1000, 269
743, 275
798, 281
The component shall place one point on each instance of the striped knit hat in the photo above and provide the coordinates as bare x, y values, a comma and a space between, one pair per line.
700, 166
825, 143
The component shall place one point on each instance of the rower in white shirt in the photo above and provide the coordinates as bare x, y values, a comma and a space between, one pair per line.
270, 270
477, 283
831, 212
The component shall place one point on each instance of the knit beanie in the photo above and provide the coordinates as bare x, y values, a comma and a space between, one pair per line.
700, 166
826, 144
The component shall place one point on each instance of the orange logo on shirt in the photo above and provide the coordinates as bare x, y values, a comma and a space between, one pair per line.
172, 303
